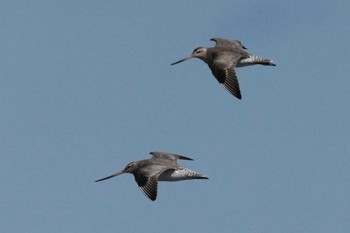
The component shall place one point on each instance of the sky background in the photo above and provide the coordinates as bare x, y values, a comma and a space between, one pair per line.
86, 87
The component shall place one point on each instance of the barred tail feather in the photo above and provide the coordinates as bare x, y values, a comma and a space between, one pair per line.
255, 60
180, 174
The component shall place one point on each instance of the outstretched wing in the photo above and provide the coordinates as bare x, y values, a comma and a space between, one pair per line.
148, 185
228, 43
223, 68
170, 157
227, 78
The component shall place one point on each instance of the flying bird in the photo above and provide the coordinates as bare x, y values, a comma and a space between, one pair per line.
162, 166
224, 58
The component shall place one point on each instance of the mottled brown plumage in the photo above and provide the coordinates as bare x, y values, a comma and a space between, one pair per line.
162, 166
224, 58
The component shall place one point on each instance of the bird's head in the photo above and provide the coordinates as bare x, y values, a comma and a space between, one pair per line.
199, 52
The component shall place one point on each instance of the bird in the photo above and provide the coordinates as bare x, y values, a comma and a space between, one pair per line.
162, 166
222, 60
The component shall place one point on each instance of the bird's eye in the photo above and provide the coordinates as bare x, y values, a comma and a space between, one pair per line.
197, 50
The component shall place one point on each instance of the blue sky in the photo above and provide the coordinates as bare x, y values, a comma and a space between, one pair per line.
87, 87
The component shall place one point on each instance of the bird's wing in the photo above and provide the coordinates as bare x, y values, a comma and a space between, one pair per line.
228, 79
170, 157
228, 43
223, 69
148, 185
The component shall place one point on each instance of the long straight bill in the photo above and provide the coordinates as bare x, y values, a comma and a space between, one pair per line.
184, 59
108, 177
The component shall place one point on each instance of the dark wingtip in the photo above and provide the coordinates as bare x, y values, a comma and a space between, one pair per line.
184, 157
237, 95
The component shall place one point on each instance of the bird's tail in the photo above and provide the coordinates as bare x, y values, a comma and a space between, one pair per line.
255, 60
180, 174
192, 174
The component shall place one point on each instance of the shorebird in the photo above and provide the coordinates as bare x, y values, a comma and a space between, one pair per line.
161, 166
224, 58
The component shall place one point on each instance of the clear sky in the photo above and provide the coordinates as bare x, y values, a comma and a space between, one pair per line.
86, 87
